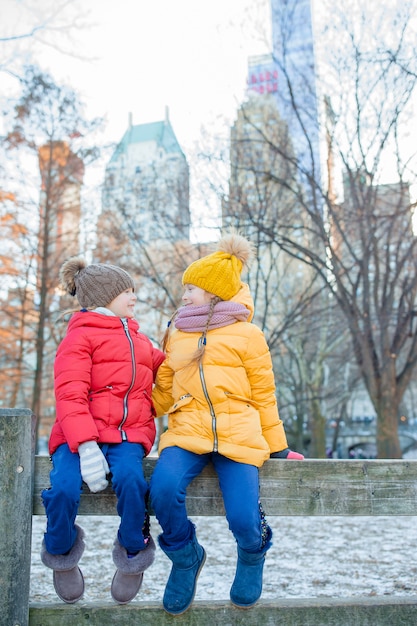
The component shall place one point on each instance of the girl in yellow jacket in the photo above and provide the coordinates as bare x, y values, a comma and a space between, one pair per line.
217, 387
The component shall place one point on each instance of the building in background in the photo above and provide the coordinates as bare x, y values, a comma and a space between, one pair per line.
275, 148
259, 202
60, 213
62, 174
296, 94
262, 75
144, 225
255, 196
146, 187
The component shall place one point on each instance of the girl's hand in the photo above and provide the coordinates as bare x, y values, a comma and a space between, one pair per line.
94, 466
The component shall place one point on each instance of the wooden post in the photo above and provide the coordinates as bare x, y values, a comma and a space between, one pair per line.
17, 454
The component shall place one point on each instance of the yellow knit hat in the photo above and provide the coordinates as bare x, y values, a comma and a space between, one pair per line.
220, 273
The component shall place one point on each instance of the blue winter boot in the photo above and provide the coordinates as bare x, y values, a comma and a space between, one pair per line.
247, 585
187, 563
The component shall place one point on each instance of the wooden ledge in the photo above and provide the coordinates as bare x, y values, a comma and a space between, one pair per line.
310, 487
366, 611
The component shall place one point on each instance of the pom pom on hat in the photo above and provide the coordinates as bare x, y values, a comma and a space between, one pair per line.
220, 273
94, 285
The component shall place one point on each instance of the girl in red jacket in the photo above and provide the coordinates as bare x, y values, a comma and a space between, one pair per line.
104, 371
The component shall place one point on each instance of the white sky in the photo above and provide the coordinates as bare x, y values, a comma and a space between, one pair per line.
142, 55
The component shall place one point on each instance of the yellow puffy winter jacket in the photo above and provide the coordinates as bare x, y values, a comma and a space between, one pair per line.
228, 403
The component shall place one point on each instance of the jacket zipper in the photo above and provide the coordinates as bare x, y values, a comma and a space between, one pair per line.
125, 399
212, 413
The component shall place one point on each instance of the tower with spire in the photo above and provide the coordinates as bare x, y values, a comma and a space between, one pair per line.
146, 183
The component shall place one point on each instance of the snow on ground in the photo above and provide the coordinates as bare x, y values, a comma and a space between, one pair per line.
310, 557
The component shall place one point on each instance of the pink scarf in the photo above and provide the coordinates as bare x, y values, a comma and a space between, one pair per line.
193, 319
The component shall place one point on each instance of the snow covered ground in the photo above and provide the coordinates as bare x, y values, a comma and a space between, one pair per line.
310, 557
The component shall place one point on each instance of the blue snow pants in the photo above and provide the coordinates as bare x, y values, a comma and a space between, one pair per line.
62, 499
239, 484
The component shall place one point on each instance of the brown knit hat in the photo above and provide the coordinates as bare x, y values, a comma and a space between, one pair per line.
94, 285
220, 273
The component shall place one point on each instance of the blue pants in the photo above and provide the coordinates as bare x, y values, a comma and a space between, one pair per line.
62, 499
239, 483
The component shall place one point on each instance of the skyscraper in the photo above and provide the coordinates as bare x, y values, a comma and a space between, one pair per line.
296, 93
262, 74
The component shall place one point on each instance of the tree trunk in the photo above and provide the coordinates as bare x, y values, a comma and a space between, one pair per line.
386, 397
318, 432
388, 443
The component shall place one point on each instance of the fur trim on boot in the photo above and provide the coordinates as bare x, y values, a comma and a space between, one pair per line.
129, 574
67, 577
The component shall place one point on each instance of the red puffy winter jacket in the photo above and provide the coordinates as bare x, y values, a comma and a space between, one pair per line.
104, 371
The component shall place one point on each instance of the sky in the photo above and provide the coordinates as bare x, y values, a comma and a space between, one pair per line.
142, 56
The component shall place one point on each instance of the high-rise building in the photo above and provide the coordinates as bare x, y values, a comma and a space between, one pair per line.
256, 166
146, 188
296, 93
262, 74
260, 202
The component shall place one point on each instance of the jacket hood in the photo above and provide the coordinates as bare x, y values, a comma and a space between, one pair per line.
244, 297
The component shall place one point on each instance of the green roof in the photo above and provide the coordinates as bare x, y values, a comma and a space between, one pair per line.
160, 132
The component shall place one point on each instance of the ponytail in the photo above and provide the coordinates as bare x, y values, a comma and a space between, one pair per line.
199, 353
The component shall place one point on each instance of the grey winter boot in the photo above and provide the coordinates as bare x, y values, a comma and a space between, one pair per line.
129, 574
68, 578
187, 563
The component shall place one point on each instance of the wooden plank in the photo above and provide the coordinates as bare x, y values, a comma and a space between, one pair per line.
309, 487
366, 611
340, 487
17, 447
